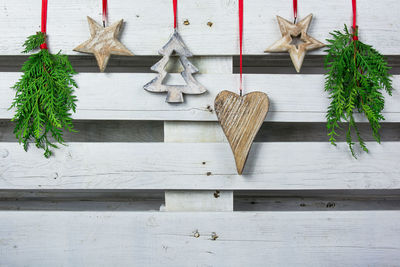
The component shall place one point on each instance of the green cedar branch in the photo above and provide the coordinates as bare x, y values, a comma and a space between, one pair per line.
356, 76
44, 97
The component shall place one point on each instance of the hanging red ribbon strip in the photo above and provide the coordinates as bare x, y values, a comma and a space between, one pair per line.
44, 22
241, 44
175, 3
355, 37
104, 12
295, 10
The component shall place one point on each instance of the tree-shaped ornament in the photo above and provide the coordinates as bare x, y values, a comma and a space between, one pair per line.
45, 96
103, 40
295, 39
241, 116
175, 45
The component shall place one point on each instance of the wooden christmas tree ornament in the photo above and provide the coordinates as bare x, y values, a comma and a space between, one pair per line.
241, 117
289, 32
175, 92
175, 45
103, 43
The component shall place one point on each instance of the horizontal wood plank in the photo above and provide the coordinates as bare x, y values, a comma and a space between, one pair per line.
199, 166
149, 23
120, 96
344, 238
202, 200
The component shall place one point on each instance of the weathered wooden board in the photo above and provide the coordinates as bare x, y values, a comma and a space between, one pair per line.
195, 200
120, 96
199, 166
149, 24
202, 200
345, 238
193, 132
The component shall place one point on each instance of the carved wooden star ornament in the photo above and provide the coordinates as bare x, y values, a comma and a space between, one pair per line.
290, 31
103, 43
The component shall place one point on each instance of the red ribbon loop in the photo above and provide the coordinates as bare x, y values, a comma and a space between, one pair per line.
44, 22
175, 3
295, 10
241, 44
355, 33
104, 12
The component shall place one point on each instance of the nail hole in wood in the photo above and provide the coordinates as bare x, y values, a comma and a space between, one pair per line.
204, 163
208, 173
216, 194
330, 204
302, 204
196, 234
214, 236
209, 24
186, 22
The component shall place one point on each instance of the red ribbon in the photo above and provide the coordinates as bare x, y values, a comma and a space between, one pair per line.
295, 10
241, 44
44, 22
355, 37
175, 3
104, 12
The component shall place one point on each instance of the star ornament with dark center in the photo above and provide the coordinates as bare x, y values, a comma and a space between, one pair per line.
291, 30
103, 42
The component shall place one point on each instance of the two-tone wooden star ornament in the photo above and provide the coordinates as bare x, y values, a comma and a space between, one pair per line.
103, 42
290, 32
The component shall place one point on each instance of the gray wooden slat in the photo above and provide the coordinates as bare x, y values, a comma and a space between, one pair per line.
101, 131
146, 200
265, 64
282, 64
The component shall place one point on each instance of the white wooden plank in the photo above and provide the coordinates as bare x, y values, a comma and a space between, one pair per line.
199, 166
149, 23
193, 132
120, 96
191, 200
345, 238
176, 200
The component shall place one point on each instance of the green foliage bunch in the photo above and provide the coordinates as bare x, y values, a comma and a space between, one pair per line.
356, 76
44, 97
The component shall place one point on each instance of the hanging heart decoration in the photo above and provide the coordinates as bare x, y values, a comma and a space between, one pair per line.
241, 117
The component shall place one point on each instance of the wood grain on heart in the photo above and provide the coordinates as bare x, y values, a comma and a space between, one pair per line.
241, 117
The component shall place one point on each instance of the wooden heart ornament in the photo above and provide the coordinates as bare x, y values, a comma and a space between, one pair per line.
241, 117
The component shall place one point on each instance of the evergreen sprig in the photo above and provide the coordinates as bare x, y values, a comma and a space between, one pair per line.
357, 74
44, 97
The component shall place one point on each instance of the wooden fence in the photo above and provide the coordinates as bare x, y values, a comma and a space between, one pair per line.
175, 199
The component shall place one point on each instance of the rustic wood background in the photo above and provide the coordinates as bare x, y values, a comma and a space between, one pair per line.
146, 183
